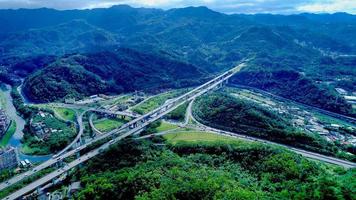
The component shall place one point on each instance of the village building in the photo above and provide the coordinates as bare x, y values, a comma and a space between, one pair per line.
8, 158
4, 122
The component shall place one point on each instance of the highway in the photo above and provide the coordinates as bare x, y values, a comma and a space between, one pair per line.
138, 125
308, 154
123, 113
202, 127
134, 126
79, 134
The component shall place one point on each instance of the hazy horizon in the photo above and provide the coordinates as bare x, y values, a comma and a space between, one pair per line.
228, 7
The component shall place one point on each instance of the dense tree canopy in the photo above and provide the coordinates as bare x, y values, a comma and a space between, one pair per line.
210, 171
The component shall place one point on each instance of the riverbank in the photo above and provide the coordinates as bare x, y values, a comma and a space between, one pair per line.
15, 140
9, 132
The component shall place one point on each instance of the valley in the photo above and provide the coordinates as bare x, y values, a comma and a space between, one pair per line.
179, 103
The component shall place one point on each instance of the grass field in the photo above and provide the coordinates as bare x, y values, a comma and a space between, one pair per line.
165, 127
178, 114
65, 113
25, 149
6, 138
105, 125
157, 101
197, 137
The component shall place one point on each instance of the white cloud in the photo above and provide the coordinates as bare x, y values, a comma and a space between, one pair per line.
329, 6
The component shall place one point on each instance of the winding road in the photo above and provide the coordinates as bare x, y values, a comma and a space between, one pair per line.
133, 127
137, 125
307, 154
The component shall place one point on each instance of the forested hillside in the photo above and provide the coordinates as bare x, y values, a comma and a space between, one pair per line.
199, 170
293, 85
210, 40
124, 70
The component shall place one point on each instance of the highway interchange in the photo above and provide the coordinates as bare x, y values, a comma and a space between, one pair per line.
130, 128
133, 127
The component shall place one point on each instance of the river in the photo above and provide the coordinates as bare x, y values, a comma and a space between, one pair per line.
15, 140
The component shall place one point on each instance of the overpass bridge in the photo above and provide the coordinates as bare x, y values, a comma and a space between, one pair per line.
115, 113
128, 129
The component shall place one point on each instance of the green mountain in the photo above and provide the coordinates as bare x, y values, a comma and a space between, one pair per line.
207, 39
124, 70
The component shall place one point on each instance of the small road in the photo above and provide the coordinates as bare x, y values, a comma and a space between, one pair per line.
133, 127
91, 124
326, 112
77, 139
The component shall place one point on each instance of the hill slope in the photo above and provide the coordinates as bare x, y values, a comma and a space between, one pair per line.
211, 40
124, 70
229, 113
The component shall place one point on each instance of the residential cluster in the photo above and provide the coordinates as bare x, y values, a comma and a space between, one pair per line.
350, 97
4, 123
40, 129
310, 124
305, 120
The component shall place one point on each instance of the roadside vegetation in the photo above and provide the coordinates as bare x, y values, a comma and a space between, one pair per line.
225, 112
178, 114
21, 184
65, 113
159, 126
180, 136
164, 126
157, 101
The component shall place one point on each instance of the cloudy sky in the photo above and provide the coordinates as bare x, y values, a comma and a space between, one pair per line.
227, 6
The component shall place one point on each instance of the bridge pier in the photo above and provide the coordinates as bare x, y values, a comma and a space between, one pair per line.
134, 125
60, 164
80, 142
39, 191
